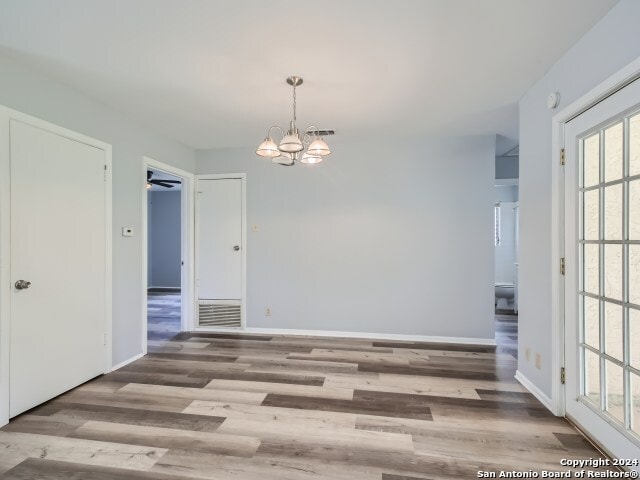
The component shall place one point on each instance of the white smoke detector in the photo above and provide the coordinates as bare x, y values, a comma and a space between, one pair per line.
553, 100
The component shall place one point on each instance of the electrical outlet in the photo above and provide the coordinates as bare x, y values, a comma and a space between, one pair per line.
538, 361
267, 312
527, 354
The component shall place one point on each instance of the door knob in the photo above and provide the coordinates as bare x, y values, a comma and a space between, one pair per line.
22, 285
236, 247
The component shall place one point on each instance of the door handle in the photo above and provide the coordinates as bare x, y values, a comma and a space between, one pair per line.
236, 247
22, 285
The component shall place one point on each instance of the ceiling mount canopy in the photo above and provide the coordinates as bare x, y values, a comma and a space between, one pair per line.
306, 147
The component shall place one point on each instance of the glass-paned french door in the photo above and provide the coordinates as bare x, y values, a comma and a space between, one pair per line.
602, 243
610, 269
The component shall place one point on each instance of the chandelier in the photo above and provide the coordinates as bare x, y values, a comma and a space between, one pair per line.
308, 147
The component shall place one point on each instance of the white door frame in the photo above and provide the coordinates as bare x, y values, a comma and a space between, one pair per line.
243, 247
5, 247
187, 216
605, 89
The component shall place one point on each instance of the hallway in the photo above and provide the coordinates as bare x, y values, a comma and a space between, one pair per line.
163, 315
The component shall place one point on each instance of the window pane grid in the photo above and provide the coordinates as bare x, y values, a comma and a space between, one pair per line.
608, 184
608, 378
609, 358
611, 300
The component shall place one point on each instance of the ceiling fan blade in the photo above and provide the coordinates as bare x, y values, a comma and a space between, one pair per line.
167, 181
323, 133
161, 183
149, 175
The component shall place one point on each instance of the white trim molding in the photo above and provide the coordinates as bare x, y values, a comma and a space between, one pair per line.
187, 216
605, 89
126, 362
108, 298
488, 342
535, 391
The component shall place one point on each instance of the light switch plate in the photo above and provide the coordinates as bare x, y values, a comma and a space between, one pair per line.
127, 232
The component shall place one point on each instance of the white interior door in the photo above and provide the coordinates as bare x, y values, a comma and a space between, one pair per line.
602, 247
58, 244
219, 225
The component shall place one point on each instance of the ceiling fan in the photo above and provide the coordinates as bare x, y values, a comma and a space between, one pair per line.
163, 183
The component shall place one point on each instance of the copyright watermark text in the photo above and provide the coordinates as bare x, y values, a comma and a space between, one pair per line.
578, 468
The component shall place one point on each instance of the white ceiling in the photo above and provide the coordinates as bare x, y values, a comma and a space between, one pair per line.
210, 73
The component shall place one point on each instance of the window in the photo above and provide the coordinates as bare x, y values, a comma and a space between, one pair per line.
609, 282
496, 221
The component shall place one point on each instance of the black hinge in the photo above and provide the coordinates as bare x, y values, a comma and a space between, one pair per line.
562, 375
562, 268
562, 156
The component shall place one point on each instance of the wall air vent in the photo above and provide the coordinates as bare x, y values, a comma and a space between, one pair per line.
219, 313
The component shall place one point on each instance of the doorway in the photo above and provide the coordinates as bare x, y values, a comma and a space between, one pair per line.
164, 255
602, 283
506, 218
167, 252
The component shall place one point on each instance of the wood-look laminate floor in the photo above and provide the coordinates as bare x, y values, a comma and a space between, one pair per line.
248, 407
163, 315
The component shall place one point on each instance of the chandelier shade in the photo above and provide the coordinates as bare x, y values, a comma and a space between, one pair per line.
310, 159
285, 160
268, 148
291, 143
308, 147
319, 148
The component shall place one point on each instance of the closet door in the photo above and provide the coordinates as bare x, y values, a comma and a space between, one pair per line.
58, 265
219, 239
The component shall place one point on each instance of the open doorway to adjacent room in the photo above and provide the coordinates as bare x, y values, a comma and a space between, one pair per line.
506, 226
168, 234
164, 255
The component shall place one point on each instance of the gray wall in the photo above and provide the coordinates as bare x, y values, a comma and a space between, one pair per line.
507, 167
382, 237
612, 44
506, 193
165, 254
28, 91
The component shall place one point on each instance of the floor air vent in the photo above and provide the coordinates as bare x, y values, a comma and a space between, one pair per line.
219, 314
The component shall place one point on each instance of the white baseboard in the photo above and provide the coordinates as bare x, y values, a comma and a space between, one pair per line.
535, 391
126, 362
490, 342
